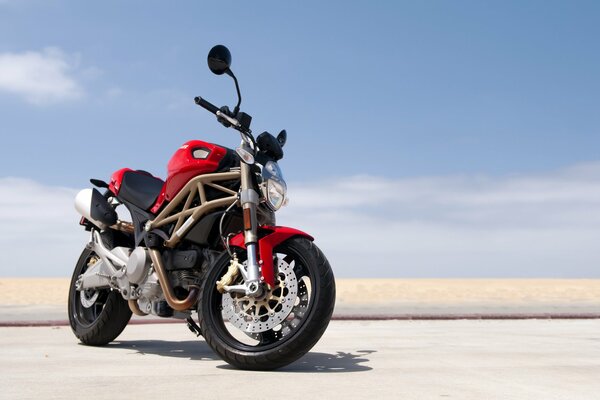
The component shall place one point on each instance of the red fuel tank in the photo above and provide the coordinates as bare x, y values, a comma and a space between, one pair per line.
192, 159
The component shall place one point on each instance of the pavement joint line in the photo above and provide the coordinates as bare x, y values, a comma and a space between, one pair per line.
411, 317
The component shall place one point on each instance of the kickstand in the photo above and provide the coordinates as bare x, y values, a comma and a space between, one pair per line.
193, 326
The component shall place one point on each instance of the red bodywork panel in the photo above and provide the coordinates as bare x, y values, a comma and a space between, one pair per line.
115, 180
192, 159
272, 236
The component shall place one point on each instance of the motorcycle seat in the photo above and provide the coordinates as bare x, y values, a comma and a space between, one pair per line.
140, 189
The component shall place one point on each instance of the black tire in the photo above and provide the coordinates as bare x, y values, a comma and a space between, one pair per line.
274, 348
101, 321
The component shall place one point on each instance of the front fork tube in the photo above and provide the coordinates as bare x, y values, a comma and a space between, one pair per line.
249, 200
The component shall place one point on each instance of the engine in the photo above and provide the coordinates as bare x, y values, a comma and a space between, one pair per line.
131, 273
128, 270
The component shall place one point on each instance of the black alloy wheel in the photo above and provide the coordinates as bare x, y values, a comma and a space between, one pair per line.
282, 325
96, 317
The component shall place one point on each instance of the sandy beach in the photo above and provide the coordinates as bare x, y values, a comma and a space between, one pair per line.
50, 291
34, 298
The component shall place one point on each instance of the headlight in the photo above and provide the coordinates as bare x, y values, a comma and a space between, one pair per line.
274, 187
275, 194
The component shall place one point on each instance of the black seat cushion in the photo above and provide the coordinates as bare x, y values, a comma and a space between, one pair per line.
140, 189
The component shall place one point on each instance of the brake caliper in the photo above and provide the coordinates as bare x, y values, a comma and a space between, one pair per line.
230, 275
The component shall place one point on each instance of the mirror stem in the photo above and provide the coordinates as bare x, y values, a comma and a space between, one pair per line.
237, 87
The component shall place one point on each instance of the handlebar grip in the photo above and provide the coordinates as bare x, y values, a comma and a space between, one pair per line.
206, 105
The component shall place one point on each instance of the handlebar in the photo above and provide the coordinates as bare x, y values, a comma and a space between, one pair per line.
242, 125
206, 105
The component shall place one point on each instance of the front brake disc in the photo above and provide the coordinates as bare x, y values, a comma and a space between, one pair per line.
254, 315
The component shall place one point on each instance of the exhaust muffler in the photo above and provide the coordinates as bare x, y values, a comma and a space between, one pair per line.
95, 208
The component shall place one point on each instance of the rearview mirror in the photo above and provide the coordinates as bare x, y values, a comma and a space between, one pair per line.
219, 59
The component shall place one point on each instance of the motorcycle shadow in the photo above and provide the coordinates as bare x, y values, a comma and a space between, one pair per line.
326, 363
190, 349
198, 350
339, 362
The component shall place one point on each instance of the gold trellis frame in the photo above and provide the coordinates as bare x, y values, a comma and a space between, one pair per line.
189, 216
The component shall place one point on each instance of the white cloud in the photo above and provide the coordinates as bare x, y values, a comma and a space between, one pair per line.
40, 77
463, 226
40, 234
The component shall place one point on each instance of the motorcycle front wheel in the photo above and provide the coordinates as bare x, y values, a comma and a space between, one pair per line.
98, 316
280, 326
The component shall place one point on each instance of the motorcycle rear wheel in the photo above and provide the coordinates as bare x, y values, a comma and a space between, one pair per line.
293, 336
96, 317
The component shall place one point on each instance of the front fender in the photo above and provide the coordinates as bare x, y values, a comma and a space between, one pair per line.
270, 237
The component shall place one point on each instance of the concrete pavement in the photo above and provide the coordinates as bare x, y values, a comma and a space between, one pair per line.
522, 359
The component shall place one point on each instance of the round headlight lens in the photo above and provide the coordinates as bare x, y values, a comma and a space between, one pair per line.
274, 187
275, 193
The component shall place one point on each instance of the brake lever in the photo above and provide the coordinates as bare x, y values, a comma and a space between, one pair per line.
234, 122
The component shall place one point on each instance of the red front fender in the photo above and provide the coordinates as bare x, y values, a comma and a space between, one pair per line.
270, 237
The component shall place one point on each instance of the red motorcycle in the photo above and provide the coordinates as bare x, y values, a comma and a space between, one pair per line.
204, 240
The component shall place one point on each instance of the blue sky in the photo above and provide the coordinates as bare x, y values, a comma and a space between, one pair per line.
467, 92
